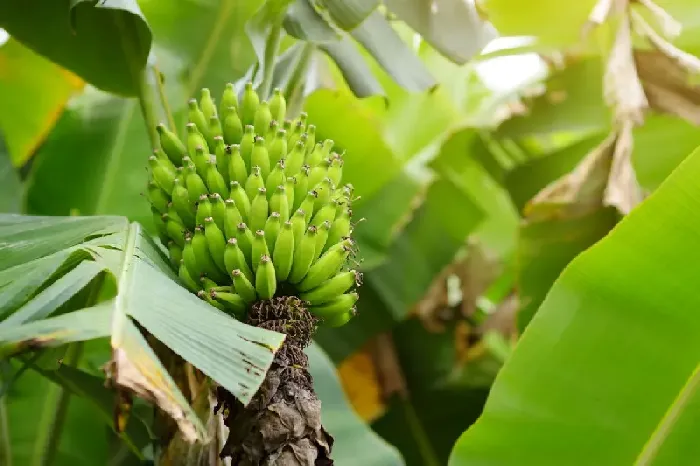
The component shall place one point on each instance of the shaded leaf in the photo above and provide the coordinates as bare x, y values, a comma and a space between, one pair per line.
11, 188
347, 14
106, 43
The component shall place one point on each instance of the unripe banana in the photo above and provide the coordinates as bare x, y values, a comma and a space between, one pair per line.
247, 141
218, 210
180, 175
237, 171
249, 104
205, 263
265, 281
311, 138
279, 203
287, 127
172, 214
275, 178
272, 229
318, 173
259, 248
259, 209
303, 118
172, 146
278, 105
295, 159
205, 296
235, 259
204, 209
229, 100
245, 241
190, 261
324, 268
298, 227
307, 205
232, 127
254, 183
163, 176
196, 117
338, 306
207, 104
159, 223
278, 147
175, 252
195, 138
216, 242
325, 214
335, 171
260, 158
167, 163
182, 205
232, 217
315, 156
241, 199
338, 320
186, 279
207, 283
283, 253
297, 131
339, 229
300, 188
216, 182
331, 288
303, 256
157, 197
194, 184
263, 117
324, 191
327, 148
215, 131
175, 229
232, 302
270, 135
222, 159
243, 286
289, 186
201, 161
321, 238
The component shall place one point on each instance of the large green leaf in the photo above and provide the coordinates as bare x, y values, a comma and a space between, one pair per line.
10, 184
584, 373
355, 443
107, 43
33, 92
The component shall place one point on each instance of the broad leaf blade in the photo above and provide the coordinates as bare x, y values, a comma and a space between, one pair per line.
106, 43
595, 325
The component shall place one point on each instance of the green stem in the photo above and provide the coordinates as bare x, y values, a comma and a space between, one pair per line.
163, 99
208, 52
147, 104
426, 450
271, 46
294, 85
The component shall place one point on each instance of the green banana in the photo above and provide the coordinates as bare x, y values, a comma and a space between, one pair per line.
262, 118
265, 281
325, 214
307, 205
283, 251
218, 210
315, 156
247, 141
175, 229
157, 197
278, 105
160, 155
232, 217
335, 171
303, 118
243, 286
241, 199
324, 268
275, 178
201, 161
237, 171
204, 209
182, 205
332, 288
289, 187
205, 263
301, 187
190, 260
249, 104
321, 238
338, 320
215, 182
175, 252
245, 241
287, 127
324, 191
197, 118
303, 256
279, 203
311, 138
272, 228
160, 225
254, 183
232, 127
259, 210
205, 296
278, 147
172, 146
231, 302
235, 259
338, 306
215, 131
295, 159
339, 229
259, 248
208, 283
298, 226
229, 100
194, 184
216, 242
162, 175
260, 158
318, 173
222, 158
207, 104
270, 134
186, 279
297, 131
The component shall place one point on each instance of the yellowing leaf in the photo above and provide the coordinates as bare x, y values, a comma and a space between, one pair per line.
358, 375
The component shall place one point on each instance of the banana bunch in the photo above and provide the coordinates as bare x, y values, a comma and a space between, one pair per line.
251, 206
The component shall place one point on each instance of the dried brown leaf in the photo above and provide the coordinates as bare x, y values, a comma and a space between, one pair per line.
670, 27
623, 191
